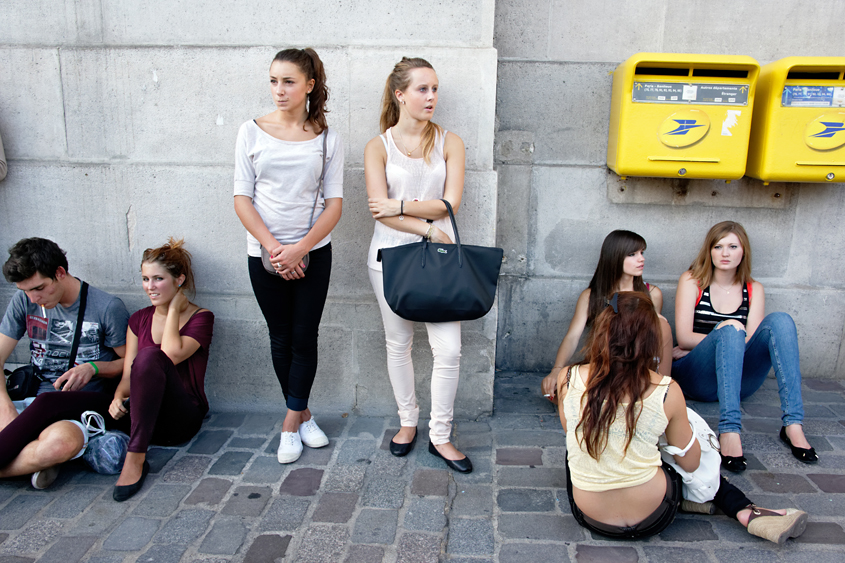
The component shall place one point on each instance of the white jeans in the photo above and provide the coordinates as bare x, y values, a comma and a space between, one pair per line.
445, 341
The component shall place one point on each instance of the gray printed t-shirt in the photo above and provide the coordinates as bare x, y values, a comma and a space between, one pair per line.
51, 337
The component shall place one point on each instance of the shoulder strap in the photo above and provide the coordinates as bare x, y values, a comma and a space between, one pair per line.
697, 301
83, 300
322, 176
748, 286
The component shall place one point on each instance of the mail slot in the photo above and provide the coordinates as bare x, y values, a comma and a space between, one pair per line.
681, 116
798, 130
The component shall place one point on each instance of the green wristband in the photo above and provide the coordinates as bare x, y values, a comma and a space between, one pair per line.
96, 369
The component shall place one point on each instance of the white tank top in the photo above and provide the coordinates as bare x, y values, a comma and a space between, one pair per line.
410, 179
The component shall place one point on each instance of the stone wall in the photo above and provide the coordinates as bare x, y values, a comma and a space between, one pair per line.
119, 121
557, 199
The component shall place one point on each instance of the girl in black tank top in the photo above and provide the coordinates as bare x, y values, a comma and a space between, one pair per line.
725, 356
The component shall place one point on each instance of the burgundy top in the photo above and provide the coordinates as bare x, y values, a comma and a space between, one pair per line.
191, 371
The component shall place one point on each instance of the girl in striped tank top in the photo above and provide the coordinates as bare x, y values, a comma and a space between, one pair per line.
727, 344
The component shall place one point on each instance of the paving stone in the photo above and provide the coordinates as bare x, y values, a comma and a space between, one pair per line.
375, 526
525, 552
482, 472
302, 482
321, 544
828, 461
247, 443
427, 514
210, 491
110, 557
824, 427
763, 425
838, 443
689, 530
512, 399
317, 456
336, 508
673, 554
132, 534
264, 469
348, 478
554, 457
746, 555
20, 509
729, 530
476, 442
98, 519
210, 441
804, 556
530, 526
418, 548
230, 463
823, 385
15, 559
753, 463
822, 504
387, 465
782, 483
811, 396
386, 437
820, 443
538, 438
464, 427
366, 427
519, 456
333, 426
267, 548
531, 477
158, 458
187, 469
161, 500
3, 537
511, 422
71, 503
184, 527
286, 513
35, 536
356, 452
829, 483
473, 500
822, 532
163, 554
525, 500
601, 554
226, 420
248, 501
470, 537
259, 423
226, 536
364, 554
430, 482
384, 493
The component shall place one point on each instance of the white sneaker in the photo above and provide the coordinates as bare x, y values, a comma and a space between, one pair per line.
290, 447
311, 435
44, 478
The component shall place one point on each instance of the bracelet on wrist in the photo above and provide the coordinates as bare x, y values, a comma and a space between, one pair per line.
96, 369
430, 231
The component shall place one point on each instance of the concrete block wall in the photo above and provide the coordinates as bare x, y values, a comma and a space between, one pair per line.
557, 199
119, 121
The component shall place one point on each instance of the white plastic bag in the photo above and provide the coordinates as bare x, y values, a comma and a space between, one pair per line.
700, 485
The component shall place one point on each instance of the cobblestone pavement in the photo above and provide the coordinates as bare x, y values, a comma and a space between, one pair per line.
223, 497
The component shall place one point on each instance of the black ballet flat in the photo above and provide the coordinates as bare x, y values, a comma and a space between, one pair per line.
401, 450
126, 492
804, 455
459, 465
737, 464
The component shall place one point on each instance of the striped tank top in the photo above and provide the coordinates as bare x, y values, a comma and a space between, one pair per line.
706, 318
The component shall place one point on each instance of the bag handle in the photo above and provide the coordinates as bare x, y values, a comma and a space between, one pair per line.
83, 300
320, 184
454, 228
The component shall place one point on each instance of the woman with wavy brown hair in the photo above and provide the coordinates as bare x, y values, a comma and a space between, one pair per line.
613, 408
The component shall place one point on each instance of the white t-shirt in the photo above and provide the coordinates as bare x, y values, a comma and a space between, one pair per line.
281, 178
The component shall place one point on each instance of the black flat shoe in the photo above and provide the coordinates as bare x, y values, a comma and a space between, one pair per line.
459, 465
126, 492
401, 450
804, 455
736, 464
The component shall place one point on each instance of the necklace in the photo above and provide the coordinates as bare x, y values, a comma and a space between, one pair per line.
404, 146
728, 291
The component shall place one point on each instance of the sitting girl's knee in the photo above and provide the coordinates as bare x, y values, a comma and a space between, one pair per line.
734, 323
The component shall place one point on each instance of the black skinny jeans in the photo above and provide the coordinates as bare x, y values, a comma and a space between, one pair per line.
293, 309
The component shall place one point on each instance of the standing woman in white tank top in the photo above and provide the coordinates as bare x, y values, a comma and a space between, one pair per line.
408, 168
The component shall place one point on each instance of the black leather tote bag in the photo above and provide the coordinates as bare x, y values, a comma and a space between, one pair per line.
435, 283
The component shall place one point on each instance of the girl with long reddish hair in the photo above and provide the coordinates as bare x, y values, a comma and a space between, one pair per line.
613, 408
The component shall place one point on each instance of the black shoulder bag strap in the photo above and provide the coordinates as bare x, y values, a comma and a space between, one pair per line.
83, 300
322, 177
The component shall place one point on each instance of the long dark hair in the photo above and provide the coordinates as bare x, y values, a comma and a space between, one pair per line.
399, 79
620, 351
311, 66
615, 248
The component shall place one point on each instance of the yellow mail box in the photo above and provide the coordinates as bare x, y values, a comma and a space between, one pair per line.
798, 130
681, 115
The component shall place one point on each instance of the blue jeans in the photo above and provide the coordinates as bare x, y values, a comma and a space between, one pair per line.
724, 368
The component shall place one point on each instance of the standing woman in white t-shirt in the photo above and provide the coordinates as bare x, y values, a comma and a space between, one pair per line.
278, 163
408, 169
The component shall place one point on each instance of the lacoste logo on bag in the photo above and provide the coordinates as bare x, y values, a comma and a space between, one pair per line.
442, 251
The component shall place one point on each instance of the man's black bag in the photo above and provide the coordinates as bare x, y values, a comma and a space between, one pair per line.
430, 282
23, 382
